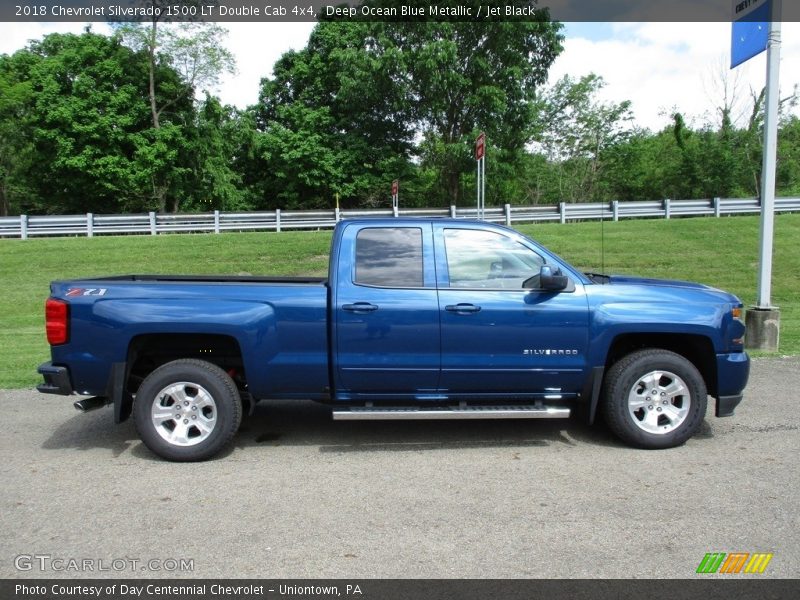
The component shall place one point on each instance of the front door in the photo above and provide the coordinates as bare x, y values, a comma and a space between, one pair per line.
502, 336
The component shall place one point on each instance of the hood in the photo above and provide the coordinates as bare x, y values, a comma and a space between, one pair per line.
648, 285
612, 279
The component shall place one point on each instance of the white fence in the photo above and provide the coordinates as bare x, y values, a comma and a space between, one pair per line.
152, 223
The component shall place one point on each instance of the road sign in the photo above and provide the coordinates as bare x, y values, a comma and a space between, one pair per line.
480, 157
480, 146
750, 31
396, 197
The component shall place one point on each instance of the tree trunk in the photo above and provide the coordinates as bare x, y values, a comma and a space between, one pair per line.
453, 188
4, 206
159, 189
159, 195
152, 55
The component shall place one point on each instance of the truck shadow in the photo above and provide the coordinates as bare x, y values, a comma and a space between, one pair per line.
93, 430
310, 424
301, 423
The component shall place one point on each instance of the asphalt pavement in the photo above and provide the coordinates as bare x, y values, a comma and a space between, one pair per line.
299, 495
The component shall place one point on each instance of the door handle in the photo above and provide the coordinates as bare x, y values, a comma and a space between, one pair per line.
360, 307
462, 308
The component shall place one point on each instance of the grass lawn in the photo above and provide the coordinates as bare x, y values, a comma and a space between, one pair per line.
719, 252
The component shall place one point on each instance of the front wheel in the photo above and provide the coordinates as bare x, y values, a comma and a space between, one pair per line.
654, 399
187, 410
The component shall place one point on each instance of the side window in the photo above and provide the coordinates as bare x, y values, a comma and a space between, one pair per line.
485, 259
389, 257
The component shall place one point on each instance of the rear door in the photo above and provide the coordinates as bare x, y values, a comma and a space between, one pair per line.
387, 314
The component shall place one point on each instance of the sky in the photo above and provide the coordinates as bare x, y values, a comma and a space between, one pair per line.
657, 66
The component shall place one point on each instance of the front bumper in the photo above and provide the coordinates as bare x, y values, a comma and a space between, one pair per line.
56, 380
727, 404
733, 371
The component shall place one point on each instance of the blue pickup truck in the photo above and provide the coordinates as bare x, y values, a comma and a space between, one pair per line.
417, 319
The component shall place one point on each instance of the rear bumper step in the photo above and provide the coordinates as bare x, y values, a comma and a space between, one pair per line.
455, 412
56, 380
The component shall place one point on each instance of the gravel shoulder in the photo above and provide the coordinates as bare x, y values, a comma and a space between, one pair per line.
299, 495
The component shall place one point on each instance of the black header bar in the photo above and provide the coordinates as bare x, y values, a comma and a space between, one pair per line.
268, 11
711, 588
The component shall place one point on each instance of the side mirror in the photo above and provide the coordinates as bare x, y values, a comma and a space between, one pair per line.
553, 282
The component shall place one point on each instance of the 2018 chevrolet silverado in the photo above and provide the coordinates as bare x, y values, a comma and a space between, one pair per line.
416, 319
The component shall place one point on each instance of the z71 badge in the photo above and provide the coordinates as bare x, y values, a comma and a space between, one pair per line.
72, 292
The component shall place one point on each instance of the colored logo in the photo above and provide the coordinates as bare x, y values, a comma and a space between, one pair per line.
72, 292
734, 563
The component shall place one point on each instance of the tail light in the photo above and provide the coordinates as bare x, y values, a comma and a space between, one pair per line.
56, 314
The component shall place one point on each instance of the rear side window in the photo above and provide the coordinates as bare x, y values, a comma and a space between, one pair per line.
389, 257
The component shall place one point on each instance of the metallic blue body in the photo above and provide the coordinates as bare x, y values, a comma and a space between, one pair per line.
354, 343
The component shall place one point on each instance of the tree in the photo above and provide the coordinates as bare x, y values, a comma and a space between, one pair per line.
215, 141
80, 114
364, 92
788, 170
333, 119
575, 128
15, 145
467, 77
76, 133
195, 51
642, 167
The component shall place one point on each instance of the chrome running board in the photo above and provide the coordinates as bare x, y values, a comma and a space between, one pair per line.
373, 413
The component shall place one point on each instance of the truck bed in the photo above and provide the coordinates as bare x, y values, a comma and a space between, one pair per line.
278, 324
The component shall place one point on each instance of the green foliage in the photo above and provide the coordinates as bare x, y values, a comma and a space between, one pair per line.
575, 129
110, 124
16, 149
332, 121
340, 113
788, 174
194, 52
645, 167
464, 78
77, 132
594, 155
217, 139
80, 117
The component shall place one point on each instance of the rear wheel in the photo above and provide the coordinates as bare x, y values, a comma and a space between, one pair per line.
654, 399
187, 410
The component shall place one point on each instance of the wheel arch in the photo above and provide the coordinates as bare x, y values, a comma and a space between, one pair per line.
697, 349
147, 352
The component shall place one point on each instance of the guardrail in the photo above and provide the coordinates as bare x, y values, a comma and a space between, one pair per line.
25, 226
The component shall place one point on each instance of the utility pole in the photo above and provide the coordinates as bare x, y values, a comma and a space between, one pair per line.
763, 320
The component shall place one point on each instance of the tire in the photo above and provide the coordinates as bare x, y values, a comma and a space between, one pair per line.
654, 399
187, 410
